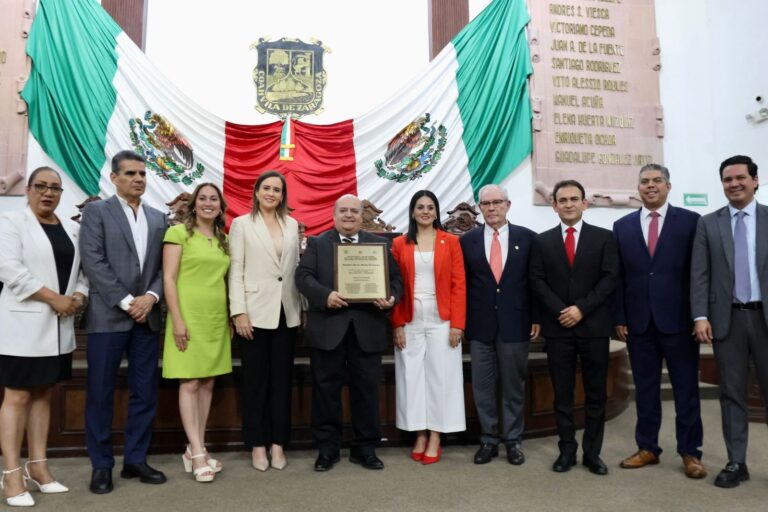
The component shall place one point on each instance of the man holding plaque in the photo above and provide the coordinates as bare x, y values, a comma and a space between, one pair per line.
351, 281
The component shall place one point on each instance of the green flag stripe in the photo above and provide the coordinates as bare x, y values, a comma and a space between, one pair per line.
69, 92
492, 78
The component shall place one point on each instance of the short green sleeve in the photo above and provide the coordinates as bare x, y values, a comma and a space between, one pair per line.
176, 235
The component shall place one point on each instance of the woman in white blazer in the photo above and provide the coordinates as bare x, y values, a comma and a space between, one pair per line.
43, 290
265, 307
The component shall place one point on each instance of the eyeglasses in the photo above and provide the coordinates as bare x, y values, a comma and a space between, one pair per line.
40, 188
495, 202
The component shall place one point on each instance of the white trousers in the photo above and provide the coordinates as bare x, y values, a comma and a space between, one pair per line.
428, 374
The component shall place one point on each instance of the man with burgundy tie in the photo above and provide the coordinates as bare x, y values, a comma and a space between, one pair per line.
499, 323
574, 269
653, 316
729, 279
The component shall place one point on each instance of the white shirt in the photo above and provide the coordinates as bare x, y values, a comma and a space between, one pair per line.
503, 241
750, 221
137, 221
645, 219
424, 274
576, 234
351, 237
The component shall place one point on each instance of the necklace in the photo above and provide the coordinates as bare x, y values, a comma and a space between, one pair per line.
209, 237
423, 260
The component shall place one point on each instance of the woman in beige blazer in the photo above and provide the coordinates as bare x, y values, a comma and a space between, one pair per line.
43, 289
266, 310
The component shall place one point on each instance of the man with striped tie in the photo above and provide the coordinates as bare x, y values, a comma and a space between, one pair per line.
346, 341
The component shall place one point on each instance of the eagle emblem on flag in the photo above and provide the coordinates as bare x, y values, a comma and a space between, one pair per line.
289, 77
168, 153
414, 151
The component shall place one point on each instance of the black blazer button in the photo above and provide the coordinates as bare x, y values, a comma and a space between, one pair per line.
279, 278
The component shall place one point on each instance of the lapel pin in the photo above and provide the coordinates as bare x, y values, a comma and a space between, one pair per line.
517, 247
442, 241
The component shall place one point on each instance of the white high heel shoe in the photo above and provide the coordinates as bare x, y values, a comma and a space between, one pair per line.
204, 473
186, 459
20, 500
49, 488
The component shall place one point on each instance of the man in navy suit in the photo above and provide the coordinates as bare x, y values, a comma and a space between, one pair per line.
653, 316
499, 323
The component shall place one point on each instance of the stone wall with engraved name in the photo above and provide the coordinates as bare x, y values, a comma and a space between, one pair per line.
595, 96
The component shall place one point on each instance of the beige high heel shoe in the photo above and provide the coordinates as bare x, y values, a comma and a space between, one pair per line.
204, 473
186, 459
20, 500
50, 488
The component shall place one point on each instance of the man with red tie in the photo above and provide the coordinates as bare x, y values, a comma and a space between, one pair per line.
500, 324
653, 315
573, 274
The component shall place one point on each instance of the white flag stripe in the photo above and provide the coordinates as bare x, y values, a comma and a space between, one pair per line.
433, 91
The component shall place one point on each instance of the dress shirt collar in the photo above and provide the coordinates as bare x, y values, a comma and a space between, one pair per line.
125, 204
645, 212
502, 230
577, 227
750, 209
355, 238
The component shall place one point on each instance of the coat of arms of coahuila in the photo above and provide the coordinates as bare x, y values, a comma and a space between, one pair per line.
289, 77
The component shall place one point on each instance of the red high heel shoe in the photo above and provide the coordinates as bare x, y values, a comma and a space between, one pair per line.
417, 456
426, 459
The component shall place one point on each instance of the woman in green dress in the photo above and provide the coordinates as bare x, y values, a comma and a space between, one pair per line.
197, 339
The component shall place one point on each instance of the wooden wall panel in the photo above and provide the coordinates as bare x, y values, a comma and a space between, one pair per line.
67, 433
131, 15
447, 18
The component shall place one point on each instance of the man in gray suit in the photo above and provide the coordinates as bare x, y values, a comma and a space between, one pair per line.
729, 279
121, 242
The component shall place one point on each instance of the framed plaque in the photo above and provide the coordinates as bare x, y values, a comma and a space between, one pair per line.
361, 272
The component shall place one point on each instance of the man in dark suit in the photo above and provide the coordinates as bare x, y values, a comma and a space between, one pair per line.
345, 338
653, 316
121, 243
499, 326
573, 271
729, 278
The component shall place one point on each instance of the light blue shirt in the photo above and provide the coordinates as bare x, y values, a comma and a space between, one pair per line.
750, 222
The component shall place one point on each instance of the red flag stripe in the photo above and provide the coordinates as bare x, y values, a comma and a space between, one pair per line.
323, 168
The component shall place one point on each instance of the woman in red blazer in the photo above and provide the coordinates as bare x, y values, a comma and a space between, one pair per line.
428, 325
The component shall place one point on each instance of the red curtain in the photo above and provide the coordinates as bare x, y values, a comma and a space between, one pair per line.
322, 169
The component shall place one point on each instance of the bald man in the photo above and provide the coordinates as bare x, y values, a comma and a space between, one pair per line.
346, 341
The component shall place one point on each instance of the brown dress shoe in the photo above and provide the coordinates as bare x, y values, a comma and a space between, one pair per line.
639, 459
693, 467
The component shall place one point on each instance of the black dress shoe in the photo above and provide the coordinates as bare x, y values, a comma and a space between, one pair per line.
101, 481
486, 452
325, 462
596, 465
564, 462
145, 473
515, 455
370, 461
733, 474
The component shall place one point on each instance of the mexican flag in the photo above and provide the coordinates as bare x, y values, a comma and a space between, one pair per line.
462, 123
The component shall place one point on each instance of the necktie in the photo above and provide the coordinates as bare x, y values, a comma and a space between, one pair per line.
346, 240
653, 233
496, 256
742, 288
570, 245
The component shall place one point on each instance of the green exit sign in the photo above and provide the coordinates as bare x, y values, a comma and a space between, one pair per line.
696, 199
